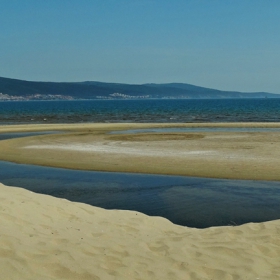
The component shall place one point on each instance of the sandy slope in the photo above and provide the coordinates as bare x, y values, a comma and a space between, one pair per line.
42, 237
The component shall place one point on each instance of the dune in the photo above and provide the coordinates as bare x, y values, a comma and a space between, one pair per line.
42, 237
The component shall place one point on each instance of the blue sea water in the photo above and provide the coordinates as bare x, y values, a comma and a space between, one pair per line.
155, 110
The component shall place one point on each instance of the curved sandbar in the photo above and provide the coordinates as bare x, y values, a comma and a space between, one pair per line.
234, 155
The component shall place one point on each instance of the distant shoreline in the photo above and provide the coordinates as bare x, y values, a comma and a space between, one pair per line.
70, 98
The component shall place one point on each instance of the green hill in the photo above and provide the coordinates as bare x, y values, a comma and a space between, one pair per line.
20, 89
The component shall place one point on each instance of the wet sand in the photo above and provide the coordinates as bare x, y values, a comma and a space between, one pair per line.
229, 155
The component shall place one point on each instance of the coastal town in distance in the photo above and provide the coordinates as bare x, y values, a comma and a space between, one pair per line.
41, 97
6, 97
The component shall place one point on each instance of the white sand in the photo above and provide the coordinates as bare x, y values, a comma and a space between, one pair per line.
42, 238
119, 148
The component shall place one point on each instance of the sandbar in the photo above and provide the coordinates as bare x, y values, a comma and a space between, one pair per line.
215, 154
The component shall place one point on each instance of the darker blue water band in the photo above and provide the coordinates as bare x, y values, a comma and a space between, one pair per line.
147, 111
5, 136
187, 201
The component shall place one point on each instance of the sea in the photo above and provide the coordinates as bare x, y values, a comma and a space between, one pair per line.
187, 201
147, 111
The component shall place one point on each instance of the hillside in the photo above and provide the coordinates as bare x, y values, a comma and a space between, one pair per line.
13, 89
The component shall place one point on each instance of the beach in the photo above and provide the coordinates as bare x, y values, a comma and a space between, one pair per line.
43, 237
215, 154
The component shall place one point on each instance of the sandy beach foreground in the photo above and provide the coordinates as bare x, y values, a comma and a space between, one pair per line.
42, 237
227, 154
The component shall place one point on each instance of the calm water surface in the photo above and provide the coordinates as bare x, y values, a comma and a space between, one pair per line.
193, 202
160, 110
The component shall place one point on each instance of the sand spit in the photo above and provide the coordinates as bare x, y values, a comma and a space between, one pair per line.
42, 237
229, 155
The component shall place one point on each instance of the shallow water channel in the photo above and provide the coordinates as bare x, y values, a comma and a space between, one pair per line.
193, 202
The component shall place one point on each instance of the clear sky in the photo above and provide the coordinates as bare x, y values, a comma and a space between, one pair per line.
222, 44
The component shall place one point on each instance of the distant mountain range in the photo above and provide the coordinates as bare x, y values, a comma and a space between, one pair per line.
13, 89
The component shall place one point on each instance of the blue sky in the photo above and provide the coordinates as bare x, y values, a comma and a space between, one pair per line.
222, 44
